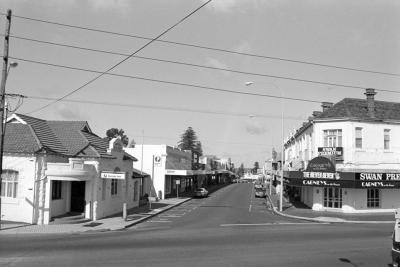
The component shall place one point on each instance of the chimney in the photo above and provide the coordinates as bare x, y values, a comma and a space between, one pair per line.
326, 105
370, 93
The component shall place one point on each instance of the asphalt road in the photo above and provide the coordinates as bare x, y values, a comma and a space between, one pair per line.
229, 228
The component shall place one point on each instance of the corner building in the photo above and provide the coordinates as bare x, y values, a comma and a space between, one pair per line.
347, 157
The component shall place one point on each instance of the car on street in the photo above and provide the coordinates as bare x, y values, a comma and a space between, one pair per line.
260, 192
201, 192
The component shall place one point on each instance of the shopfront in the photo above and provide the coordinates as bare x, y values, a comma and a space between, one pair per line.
322, 187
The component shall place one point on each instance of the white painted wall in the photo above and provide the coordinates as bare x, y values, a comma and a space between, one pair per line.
146, 165
59, 206
20, 208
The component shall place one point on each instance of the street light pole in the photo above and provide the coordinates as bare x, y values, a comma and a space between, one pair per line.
3, 92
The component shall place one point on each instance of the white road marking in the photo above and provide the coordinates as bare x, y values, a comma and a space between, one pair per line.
160, 221
268, 224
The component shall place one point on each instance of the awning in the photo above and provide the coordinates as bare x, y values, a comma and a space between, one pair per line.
139, 174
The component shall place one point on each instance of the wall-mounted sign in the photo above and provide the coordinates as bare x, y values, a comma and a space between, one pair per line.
336, 152
320, 164
377, 180
322, 175
157, 161
113, 175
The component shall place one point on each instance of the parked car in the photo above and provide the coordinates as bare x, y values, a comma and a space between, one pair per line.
260, 192
201, 192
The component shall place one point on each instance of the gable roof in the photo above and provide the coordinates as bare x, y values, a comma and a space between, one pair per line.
357, 109
25, 134
20, 138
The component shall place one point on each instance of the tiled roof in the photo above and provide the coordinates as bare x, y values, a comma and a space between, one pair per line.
357, 108
45, 135
20, 138
68, 138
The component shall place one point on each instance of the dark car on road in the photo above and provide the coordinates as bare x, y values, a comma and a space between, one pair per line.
260, 192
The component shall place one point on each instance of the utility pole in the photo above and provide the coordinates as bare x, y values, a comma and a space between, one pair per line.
3, 93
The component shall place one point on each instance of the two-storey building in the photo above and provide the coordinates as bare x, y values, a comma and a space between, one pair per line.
347, 157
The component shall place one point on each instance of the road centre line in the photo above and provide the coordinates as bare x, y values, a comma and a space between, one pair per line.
269, 224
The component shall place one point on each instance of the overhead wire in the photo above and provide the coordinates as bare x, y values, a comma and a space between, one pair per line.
165, 108
207, 47
125, 59
170, 82
201, 66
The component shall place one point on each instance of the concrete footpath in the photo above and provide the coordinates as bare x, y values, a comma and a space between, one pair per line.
297, 210
135, 216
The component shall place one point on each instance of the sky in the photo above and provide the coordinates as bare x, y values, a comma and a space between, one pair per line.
358, 34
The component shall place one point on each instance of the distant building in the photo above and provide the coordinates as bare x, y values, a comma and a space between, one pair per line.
347, 157
54, 168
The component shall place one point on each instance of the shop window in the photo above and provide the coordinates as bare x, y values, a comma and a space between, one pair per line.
386, 139
9, 183
358, 140
114, 187
333, 138
373, 198
56, 189
332, 197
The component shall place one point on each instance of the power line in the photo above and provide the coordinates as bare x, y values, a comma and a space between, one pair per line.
207, 47
165, 108
125, 59
170, 82
195, 65
192, 85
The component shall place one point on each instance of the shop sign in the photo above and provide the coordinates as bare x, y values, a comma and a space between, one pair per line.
322, 175
157, 161
337, 152
320, 164
377, 180
113, 175
325, 183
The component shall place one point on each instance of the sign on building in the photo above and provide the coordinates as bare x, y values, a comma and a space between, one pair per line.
113, 175
333, 152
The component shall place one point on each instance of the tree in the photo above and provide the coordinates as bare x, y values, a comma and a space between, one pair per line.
256, 167
189, 142
115, 132
240, 170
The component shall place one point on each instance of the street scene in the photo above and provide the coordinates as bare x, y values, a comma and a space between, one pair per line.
200, 133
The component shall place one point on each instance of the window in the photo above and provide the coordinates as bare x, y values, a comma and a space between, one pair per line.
332, 197
56, 188
358, 137
114, 187
9, 183
386, 139
373, 198
333, 138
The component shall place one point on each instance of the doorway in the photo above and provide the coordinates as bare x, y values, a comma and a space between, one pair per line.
332, 197
78, 196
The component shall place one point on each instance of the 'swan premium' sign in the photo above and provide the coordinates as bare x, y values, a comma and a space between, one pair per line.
379, 180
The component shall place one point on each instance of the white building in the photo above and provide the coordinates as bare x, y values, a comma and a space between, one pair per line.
53, 168
359, 138
170, 169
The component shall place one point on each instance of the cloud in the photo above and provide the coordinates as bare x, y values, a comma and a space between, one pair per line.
109, 4
216, 63
232, 5
66, 112
254, 127
243, 47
